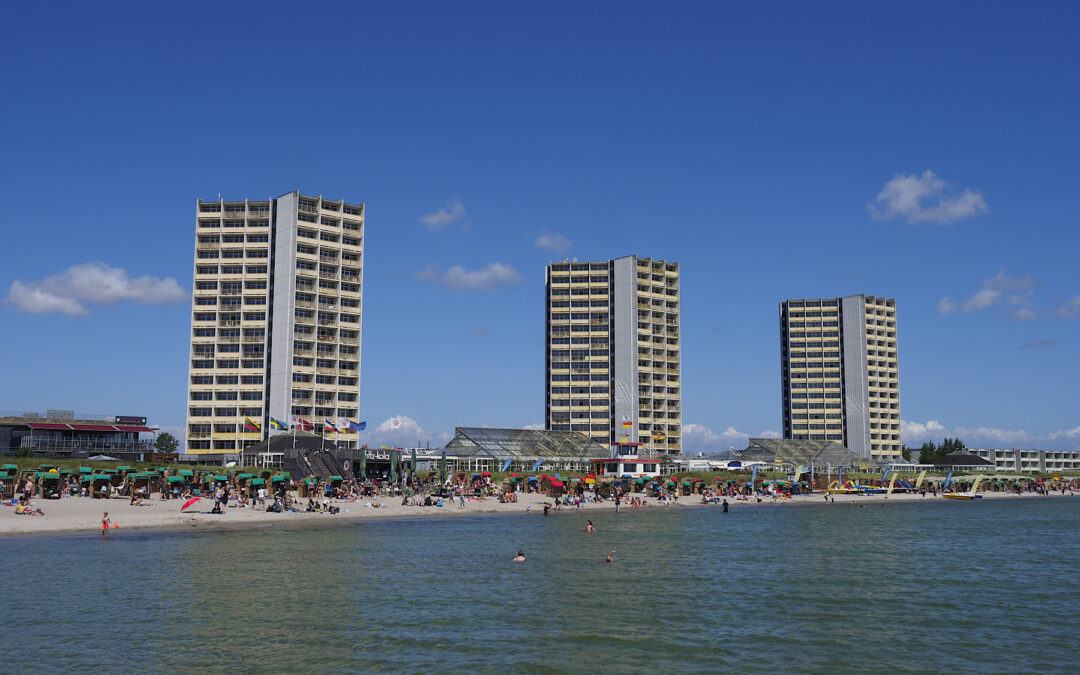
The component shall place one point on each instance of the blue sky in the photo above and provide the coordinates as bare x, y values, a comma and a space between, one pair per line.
775, 150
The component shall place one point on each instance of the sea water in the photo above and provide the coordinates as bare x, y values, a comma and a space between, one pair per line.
986, 586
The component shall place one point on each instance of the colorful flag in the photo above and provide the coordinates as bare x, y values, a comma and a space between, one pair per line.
277, 425
249, 425
395, 422
301, 423
353, 426
329, 426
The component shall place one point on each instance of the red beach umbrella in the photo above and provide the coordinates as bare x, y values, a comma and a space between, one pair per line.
190, 502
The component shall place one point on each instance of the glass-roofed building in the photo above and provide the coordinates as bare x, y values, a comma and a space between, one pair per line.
791, 453
525, 450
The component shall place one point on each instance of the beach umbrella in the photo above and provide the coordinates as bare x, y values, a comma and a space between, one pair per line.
190, 502
442, 468
363, 463
412, 471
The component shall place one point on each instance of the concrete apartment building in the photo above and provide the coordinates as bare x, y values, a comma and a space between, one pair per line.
613, 351
1030, 461
276, 317
839, 373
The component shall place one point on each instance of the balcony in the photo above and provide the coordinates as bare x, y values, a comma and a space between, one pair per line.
327, 275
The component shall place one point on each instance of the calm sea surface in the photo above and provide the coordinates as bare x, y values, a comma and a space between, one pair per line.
964, 587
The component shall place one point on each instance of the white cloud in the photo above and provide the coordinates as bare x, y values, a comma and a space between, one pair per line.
453, 212
553, 241
1000, 288
534, 427
915, 433
924, 199
457, 278
1071, 434
982, 435
92, 283
912, 432
1070, 309
769, 434
699, 438
409, 434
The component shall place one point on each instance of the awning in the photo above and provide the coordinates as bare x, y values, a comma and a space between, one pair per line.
42, 425
92, 427
140, 429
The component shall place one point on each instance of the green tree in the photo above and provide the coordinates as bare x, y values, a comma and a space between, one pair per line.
166, 443
905, 452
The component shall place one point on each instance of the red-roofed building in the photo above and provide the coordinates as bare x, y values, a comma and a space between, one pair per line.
63, 433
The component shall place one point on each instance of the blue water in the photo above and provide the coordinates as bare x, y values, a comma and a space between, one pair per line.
948, 586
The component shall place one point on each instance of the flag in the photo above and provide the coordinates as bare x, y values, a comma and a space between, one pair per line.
343, 426
301, 423
353, 426
277, 425
329, 426
249, 425
626, 421
395, 422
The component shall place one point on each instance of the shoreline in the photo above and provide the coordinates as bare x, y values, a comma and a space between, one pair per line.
77, 515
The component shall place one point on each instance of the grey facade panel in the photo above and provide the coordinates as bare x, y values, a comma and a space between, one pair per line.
624, 347
853, 362
283, 280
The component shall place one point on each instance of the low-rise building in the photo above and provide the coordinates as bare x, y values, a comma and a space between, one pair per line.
63, 433
1030, 461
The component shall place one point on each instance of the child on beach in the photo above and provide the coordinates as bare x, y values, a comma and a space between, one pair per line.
105, 523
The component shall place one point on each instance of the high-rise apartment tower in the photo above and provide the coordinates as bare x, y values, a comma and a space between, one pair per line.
839, 373
613, 352
276, 316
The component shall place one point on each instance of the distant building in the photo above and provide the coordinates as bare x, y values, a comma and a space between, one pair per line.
839, 373
1030, 461
63, 433
963, 462
275, 323
522, 450
613, 352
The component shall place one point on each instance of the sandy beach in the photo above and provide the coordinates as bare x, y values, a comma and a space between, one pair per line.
77, 514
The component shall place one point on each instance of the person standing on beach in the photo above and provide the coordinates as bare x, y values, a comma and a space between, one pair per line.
105, 523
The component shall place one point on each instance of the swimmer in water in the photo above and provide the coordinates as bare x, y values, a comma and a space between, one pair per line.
520, 557
589, 526
609, 556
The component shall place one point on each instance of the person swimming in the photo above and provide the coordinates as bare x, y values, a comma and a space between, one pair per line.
520, 557
610, 557
589, 526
